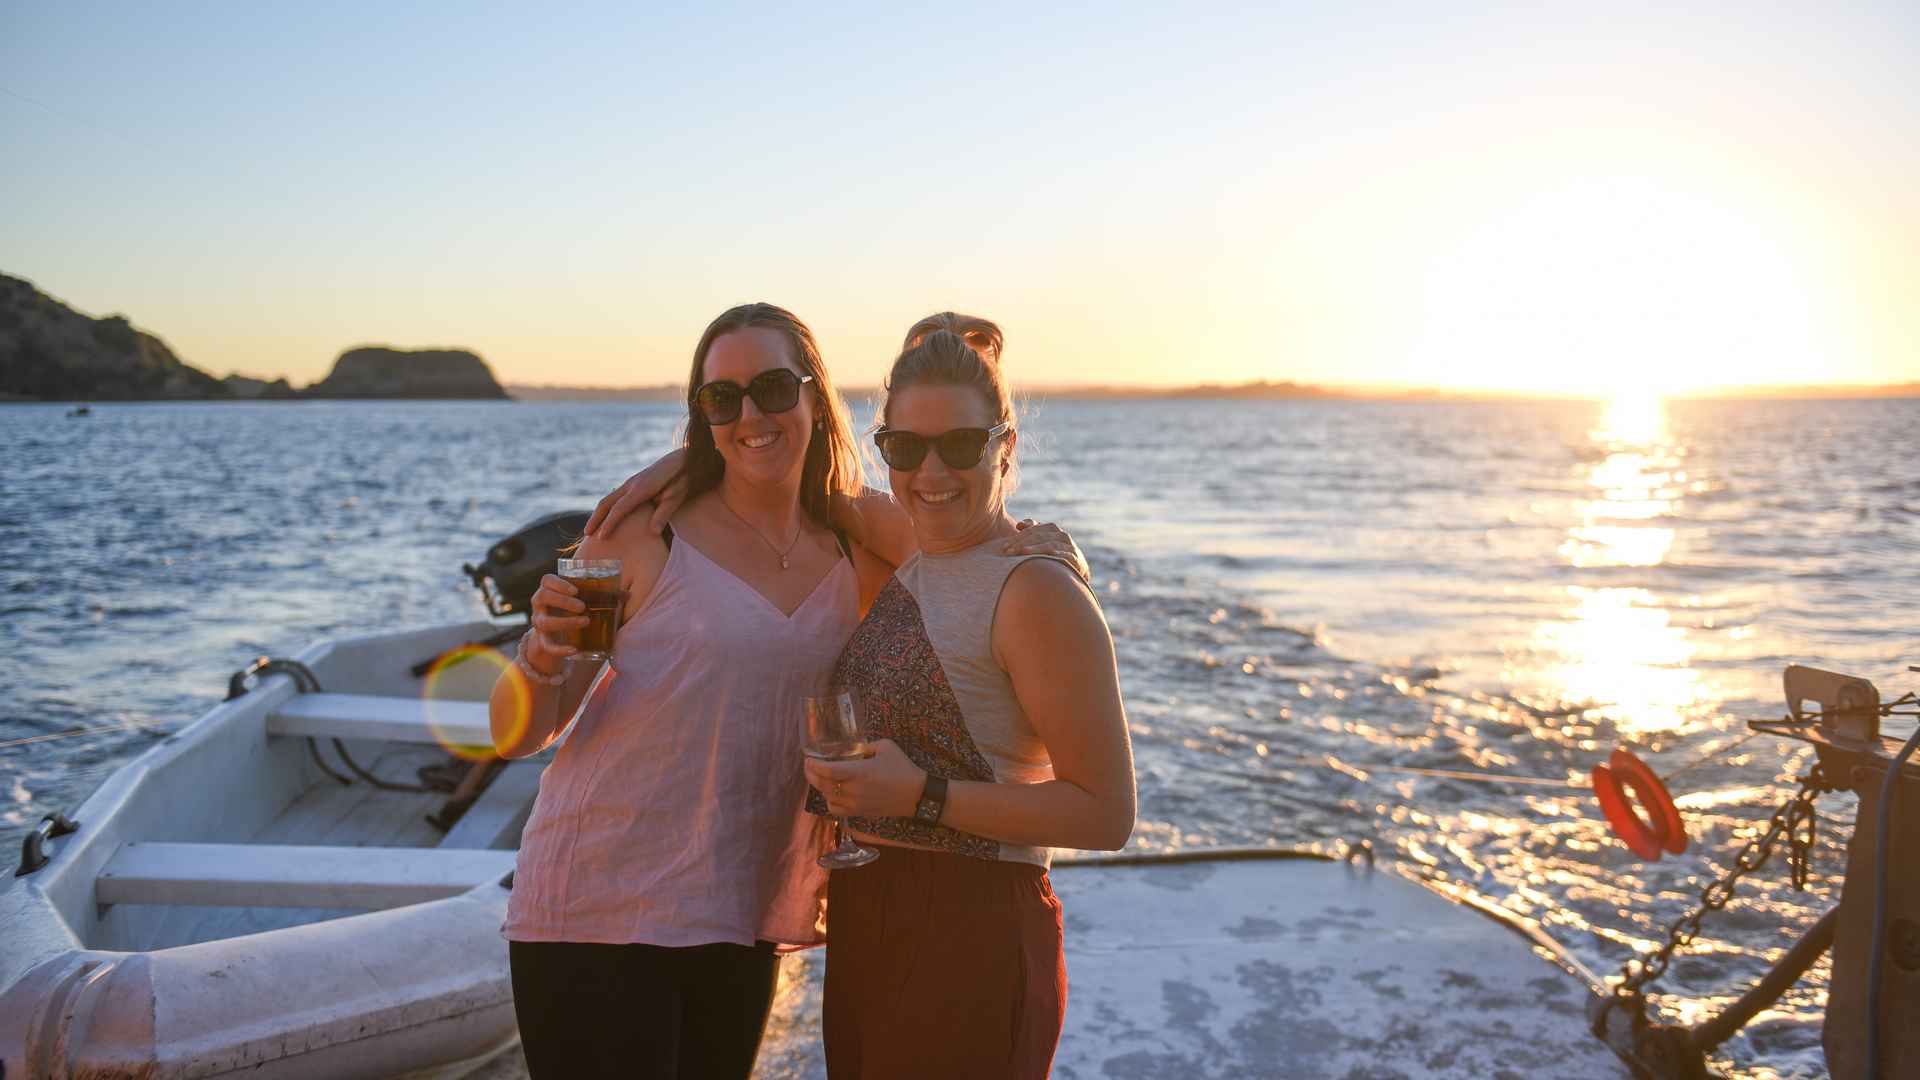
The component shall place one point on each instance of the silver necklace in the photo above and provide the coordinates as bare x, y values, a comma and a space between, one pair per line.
763, 536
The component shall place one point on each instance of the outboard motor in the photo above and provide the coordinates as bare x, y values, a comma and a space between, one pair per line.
514, 566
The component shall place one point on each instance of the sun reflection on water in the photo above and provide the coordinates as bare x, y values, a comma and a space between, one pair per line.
1618, 646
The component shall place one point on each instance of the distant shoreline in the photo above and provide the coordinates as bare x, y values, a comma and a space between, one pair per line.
1253, 392
1269, 391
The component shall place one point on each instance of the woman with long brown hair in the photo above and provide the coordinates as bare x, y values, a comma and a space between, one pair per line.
665, 863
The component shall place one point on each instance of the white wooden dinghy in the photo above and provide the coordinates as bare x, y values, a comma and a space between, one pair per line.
227, 907
1282, 964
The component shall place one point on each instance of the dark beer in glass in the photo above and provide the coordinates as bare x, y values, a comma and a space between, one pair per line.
599, 583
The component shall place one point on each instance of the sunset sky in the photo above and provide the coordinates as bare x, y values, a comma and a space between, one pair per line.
1588, 198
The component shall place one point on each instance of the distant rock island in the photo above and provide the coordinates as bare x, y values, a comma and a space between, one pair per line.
50, 352
372, 371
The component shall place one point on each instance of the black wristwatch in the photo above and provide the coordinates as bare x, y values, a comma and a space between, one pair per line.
933, 801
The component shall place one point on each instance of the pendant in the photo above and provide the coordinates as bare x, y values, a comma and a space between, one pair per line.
783, 562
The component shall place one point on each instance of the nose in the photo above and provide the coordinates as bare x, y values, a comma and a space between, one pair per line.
749, 409
933, 465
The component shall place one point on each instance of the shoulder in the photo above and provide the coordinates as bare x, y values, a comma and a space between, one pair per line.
641, 551
1046, 612
1042, 588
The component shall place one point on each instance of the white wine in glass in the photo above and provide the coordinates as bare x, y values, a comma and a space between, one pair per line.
834, 733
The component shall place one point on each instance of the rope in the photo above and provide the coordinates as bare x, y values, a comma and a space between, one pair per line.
102, 730
1358, 772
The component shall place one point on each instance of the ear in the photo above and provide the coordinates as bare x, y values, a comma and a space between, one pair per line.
1006, 451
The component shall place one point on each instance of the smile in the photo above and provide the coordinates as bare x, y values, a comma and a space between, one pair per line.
756, 442
937, 498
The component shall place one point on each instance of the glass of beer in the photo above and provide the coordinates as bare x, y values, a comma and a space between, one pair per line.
599, 583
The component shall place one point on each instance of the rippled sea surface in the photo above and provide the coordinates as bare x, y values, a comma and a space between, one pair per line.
1506, 588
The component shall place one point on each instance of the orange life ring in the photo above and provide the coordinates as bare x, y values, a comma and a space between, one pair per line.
1645, 838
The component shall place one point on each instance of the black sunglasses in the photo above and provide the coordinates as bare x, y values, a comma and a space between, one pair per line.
775, 391
960, 448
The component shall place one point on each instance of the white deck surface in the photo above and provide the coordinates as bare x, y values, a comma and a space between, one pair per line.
1283, 968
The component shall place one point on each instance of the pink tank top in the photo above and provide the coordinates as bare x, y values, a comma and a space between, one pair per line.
672, 812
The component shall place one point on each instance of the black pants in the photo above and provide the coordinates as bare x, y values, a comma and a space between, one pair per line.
624, 1011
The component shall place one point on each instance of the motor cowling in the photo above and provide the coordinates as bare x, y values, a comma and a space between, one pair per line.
511, 572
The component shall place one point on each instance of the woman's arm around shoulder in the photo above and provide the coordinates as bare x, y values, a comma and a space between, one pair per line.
874, 521
872, 518
871, 571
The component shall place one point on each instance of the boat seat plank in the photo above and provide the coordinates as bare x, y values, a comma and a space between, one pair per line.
290, 875
495, 818
388, 719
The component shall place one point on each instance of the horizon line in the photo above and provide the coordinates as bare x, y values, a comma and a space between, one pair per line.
1288, 387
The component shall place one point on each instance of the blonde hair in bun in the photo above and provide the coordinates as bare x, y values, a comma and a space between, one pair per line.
982, 335
942, 357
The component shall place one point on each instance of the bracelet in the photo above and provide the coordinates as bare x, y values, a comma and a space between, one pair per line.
532, 673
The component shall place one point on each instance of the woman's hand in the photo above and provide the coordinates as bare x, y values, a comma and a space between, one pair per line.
557, 612
1046, 538
885, 784
662, 483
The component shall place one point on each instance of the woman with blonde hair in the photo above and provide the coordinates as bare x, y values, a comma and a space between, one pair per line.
993, 705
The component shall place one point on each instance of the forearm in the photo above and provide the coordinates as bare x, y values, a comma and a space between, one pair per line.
525, 716
874, 521
1055, 813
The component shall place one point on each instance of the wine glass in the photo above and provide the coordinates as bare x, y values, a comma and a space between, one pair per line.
834, 734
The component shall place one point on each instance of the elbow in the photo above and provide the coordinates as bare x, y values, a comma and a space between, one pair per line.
1115, 832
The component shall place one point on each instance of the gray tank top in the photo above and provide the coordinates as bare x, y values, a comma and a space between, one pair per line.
922, 662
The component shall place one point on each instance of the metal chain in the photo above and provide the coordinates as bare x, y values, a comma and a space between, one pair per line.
1795, 820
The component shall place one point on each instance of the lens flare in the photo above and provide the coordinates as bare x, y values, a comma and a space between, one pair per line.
457, 680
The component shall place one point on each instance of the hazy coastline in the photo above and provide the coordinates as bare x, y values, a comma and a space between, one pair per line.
1277, 391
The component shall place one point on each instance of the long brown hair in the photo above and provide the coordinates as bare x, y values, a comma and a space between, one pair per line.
832, 465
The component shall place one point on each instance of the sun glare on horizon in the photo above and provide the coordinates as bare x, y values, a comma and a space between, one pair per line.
1620, 288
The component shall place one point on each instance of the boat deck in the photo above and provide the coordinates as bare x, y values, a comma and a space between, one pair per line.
1293, 967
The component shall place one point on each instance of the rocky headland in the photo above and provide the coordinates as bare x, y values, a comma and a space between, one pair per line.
373, 371
50, 352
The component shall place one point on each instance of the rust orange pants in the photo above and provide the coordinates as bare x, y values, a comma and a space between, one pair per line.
942, 966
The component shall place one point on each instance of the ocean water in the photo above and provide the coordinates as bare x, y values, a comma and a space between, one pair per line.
1506, 589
